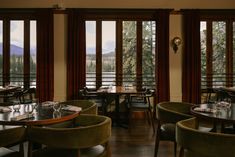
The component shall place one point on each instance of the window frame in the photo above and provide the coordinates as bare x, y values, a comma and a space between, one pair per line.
7, 15
228, 17
138, 15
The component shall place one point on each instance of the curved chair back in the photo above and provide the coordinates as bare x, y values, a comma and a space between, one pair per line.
12, 135
204, 144
168, 114
88, 131
172, 112
28, 95
88, 107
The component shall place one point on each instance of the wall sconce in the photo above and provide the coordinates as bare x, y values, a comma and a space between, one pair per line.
176, 41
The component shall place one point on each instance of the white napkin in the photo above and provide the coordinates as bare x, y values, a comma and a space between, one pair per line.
207, 110
23, 116
48, 103
4, 109
72, 108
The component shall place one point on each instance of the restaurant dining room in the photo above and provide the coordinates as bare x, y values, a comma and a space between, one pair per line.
84, 78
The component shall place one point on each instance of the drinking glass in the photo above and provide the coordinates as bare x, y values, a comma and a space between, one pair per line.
56, 106
16, 106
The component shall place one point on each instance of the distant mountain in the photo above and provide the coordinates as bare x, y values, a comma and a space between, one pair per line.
16, 50
110, 54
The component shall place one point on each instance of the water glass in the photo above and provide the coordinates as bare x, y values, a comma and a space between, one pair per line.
56, 106
16, 106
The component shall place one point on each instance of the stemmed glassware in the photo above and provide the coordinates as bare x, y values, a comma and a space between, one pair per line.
16, 105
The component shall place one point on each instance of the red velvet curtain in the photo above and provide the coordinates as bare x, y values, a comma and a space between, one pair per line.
191, 79
76, 55
45, 54
162, 57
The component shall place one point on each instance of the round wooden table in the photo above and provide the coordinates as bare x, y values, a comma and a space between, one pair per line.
218, 117
42, 115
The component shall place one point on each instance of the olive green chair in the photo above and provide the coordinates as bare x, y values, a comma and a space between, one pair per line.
196, 143
168, 114
87, 136
10, 136
88, 106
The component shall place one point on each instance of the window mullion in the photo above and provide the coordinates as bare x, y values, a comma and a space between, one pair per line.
119, 67
6, 51
98, 53
26, 53
229, 53
139, 55
209, 52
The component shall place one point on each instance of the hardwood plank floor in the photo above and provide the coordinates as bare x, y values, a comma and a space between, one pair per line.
138, 141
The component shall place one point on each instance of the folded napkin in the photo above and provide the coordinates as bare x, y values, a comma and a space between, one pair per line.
72, 108
48, 103
23, 116
4, 109
207, 110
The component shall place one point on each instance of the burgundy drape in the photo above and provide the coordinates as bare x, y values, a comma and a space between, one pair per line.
162, 57
76, 55
191, 75
45, 55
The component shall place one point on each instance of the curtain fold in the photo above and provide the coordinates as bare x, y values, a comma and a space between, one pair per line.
162, 57
76, 55
191, 75
45, 54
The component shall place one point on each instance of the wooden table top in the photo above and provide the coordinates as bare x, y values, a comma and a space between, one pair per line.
43, 115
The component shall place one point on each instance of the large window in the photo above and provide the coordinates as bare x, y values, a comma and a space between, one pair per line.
217, 52
120, 52
17, 51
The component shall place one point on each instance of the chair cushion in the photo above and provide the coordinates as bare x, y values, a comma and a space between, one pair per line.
87, 152
4, 152
168, 131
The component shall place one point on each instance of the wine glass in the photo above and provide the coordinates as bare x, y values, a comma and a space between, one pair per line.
56, 106
16, 106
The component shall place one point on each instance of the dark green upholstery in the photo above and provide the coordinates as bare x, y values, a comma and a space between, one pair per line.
198, 143
168, 114
88, 106
9, 136
90, 132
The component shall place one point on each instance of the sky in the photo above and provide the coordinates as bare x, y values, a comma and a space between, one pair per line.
16, 33
108, 36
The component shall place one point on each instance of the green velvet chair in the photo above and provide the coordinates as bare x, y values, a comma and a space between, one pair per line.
168, 114
10, 136
88, 106
196, 143
88, 136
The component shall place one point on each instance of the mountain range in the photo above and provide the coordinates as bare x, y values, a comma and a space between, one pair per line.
16, 50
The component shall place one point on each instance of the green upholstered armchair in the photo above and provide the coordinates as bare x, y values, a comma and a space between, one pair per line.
88, 136
168, 114
88, 106
9, 136
198, 143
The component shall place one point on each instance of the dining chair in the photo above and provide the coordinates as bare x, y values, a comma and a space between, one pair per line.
196, 143
141, 103
28, 95
87, 135
168, 114
102, 100
10, 136
15, 96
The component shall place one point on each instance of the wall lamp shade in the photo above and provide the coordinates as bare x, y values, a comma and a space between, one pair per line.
176, 42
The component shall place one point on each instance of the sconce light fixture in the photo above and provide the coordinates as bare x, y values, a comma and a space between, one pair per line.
176, 41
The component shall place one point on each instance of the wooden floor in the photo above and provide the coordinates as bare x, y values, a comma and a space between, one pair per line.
138, 141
